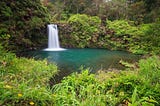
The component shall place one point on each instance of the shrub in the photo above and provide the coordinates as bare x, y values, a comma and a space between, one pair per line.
140, 39
122, 28
152, 37
125, 33
82, 90
134, 87
85, 30
24, 81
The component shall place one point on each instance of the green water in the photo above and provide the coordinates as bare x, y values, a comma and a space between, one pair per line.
71, 60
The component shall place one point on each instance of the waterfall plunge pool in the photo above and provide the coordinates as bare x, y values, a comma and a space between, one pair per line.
71, 60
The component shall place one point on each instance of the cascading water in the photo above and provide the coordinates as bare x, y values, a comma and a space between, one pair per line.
53, 40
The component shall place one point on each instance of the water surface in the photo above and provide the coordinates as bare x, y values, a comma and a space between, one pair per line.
72, 59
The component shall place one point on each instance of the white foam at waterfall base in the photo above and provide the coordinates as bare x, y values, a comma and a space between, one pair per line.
53, 39
54, 49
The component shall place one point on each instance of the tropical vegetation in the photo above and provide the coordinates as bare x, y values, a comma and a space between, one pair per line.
128, 25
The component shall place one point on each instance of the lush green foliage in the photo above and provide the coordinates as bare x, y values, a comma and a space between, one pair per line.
22, 24
122, 27
124, 33
136, 39
24, 21
79, 89
140, 11
134, 87
151, 38
84, 31
24, 81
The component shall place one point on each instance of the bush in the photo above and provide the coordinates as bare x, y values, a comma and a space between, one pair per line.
85, 30
82, 90
24, 81
150, 72
123, 27
152, 38
140, 39
137, 87
125, 34
82, 31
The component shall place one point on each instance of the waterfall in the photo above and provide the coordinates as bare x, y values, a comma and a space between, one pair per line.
53, 40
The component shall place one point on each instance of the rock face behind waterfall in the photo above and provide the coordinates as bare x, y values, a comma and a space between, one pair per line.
53, 39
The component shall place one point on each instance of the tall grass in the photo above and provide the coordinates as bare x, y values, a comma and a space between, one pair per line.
134, 87
24, 81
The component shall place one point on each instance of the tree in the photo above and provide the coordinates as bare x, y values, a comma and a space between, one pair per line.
24, 21
137, 12
68, 7
115, 9
149, 9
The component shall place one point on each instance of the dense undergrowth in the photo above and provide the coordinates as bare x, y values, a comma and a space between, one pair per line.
83, 31
22, 24
133, 87
26, 82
